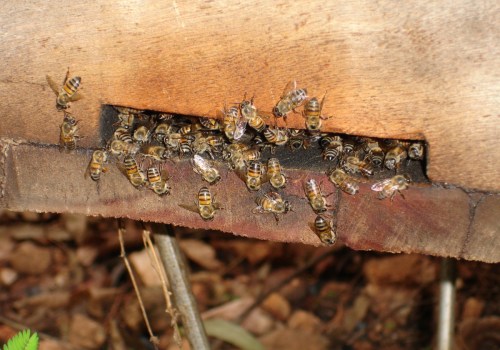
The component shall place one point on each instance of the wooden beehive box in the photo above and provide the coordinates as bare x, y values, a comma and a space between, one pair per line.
393, 70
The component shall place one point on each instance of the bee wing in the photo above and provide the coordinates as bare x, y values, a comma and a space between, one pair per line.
379, 186
242, 173
53, 85
291, 85
76, 96
241, 126
193, 207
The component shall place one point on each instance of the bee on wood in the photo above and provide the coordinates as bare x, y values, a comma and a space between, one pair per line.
389, 187
69, 133
67, 92
96, 165
325, 229
210, 124
332, 147
374, 152
234, 125
203, 167
312, 114
276, 136
315, 197
253, 176
239, 155
296, 139
354, 165
275, 173
161, 131
343, 181
206, 205
290, 99
272, 203
133, 172
126, 121
158, 181
394, 157
348, 147
416, 151
123, 134
251, 114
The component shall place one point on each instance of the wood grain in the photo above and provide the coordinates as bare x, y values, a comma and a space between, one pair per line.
392, 69
430, 220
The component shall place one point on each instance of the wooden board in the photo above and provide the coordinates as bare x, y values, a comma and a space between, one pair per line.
430, 220
391, 69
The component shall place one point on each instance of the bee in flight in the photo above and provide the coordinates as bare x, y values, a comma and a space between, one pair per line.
96, 165
67, 92
343, 181
158, 181
315, 197
272, 203
325, 229
204, 168
290, 99
69, 132
206, 205
389, 187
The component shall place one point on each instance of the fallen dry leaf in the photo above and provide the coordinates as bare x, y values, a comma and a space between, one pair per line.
201, 253
293, 339
30, 259
86, 333
277, 306
304, 321
472, 309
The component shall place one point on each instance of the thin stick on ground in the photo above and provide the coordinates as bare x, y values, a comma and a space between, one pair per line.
158, 267
154, 340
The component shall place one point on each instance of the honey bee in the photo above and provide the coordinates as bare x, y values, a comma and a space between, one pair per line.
374, 152
131, 169
204, 168
296, 139
67, 92
234, 125
126, 120
118, 147
69, 132
96, 165
332, 147
141, 134
348, 147
354, 165
185, 144
343, 181
315, 197
253, 176
290, 99
239, 155
205, 206
158, 153
216, 143
325, 230
158, 181
276, 136
312, 114
123, 134
416, 151
389, 187
275, 173
251, 114
394, 157
210, 124
272, 203
162, 130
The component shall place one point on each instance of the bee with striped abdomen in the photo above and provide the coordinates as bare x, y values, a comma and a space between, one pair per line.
158, 181
343, 181
133, 172
162, 130
275, 173
206, 169
158, 153
142, 134
252, 115
374, 152
205, 205
272, 203
253, 176
312, 114
315, 197
332, 147
67, 92
96, 165
325, 229
395, 156
296, 139
234, 125
69, 132
119, 147
389, 187
416, 151
276, 136
354, 165
210, 124
290, 99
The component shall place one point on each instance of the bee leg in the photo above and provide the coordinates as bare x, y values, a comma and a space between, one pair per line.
277, 218
402, 195
66, 77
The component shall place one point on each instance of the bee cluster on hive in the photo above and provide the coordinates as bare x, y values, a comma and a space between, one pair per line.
143, 144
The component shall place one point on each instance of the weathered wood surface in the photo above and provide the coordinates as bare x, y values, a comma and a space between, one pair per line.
430, 220
392, 69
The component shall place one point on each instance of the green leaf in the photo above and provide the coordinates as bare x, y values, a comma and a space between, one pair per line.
232, 333
22, 341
